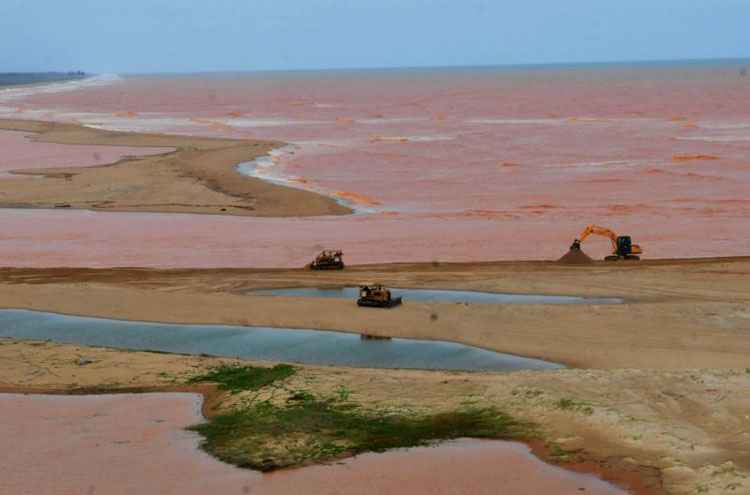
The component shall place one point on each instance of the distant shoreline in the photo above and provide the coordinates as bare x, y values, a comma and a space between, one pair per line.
28, 78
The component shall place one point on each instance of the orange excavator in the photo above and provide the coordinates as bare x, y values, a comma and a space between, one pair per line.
622, 245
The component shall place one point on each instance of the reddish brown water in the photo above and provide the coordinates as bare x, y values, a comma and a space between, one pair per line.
20, 152
451, 164
127, 444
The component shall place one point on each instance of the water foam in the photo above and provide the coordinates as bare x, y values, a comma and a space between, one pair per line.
491, 121
391, 120
274, 122
410, 139
15, 93
270, 168
608, 164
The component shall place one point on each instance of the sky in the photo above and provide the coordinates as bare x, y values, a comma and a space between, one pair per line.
122, 36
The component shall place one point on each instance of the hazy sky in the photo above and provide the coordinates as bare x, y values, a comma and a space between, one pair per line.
194, 35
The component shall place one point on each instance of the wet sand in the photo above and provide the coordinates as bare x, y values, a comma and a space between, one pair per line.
124, 444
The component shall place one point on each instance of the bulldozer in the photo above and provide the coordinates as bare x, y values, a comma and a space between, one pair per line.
329, 259
622, 245
376, 296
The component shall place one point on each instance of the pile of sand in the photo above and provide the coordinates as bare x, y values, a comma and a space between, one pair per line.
575, 257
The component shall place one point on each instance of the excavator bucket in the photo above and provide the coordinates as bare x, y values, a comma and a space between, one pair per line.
575, 256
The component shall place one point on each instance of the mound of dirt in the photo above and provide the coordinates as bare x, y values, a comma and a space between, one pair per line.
575, 257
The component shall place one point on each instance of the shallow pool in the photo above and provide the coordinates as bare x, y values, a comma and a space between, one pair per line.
261, 343
438, 295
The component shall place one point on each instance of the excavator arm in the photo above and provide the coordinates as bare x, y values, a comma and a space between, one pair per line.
596, 230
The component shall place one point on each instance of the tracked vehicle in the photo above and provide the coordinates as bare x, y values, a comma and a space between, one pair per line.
376, 296
329, 259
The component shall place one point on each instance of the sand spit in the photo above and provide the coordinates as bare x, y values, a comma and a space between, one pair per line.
199, 177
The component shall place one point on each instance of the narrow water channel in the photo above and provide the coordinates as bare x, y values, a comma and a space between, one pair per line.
260, 343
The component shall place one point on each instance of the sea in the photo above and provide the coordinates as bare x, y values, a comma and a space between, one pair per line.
438, 164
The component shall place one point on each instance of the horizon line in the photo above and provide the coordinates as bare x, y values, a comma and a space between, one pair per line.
541, 65
687, 61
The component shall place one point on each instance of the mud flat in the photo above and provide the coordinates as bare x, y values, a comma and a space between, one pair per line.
200, 176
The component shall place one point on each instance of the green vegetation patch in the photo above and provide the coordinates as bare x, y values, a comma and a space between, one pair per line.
237, 378
265, 436
575, 405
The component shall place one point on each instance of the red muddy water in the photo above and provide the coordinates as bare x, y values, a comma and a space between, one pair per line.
20, 152
469, 164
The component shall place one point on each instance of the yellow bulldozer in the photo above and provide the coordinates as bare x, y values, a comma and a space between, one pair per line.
376, 296
329, 259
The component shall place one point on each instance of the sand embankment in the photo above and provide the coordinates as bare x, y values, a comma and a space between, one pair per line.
200, 176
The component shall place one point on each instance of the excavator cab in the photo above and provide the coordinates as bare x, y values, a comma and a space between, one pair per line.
625, 250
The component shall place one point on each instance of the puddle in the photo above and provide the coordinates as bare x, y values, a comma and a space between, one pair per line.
260, 343
435, 295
